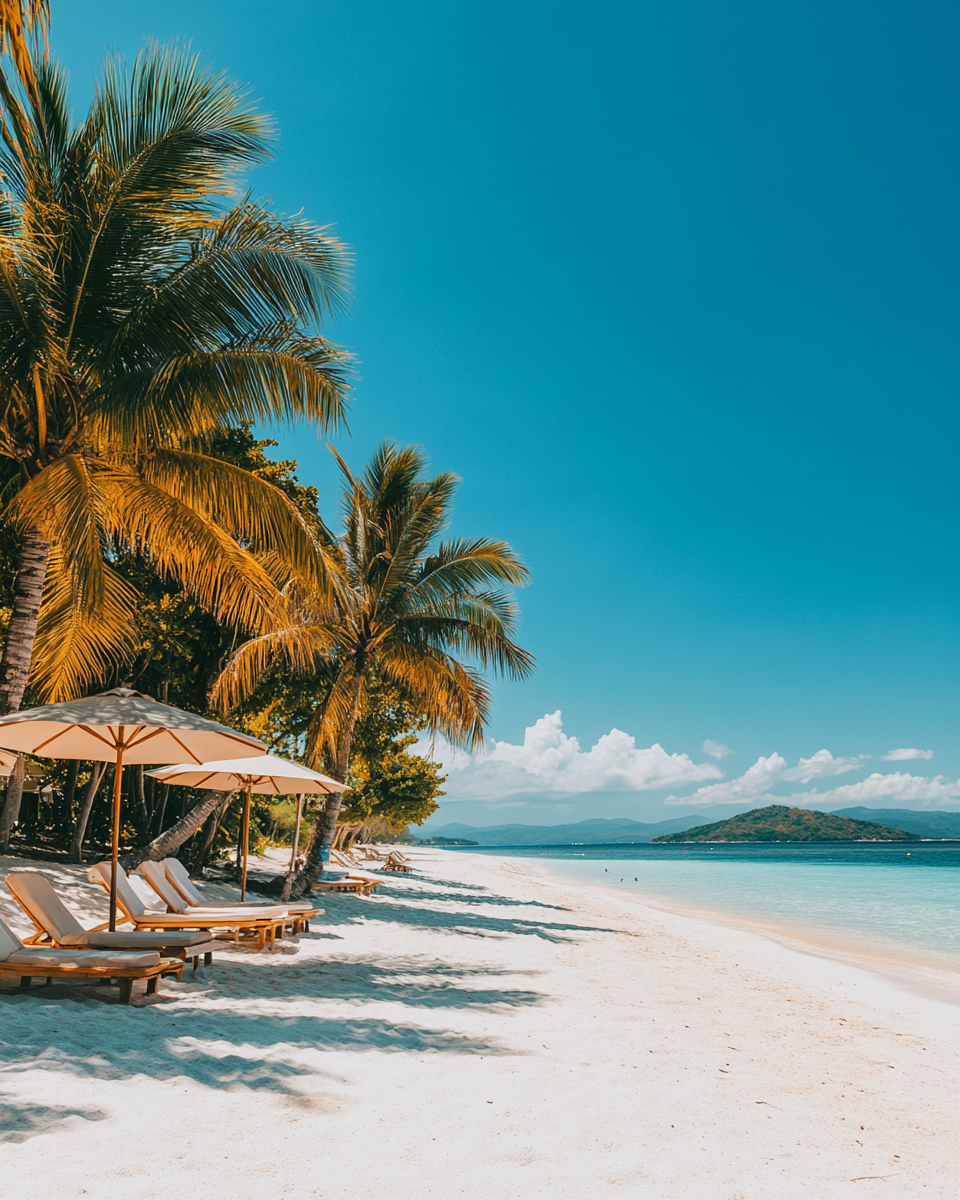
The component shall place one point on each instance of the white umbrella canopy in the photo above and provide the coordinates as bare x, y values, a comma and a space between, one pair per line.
266, 775
120, 726
125, 722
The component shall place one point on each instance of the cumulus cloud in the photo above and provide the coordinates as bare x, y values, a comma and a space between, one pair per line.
715, 749
751, 784
821, 765
896, 786
549, 762
904, 755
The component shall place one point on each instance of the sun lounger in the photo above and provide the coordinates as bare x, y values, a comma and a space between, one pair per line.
57, 926
156, 876
264, 929
76, 966
299, 913
391, 862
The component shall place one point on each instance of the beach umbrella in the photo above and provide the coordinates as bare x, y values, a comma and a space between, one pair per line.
123, 727
267, 776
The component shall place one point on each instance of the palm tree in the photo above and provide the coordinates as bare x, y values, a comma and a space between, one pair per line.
17, 20
408, 611
140, 315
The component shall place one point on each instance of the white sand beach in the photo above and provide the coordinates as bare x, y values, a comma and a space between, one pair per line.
484, 1030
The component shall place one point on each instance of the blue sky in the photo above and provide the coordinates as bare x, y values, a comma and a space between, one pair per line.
673, 287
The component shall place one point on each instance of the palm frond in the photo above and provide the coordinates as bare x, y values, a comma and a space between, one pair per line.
75, 643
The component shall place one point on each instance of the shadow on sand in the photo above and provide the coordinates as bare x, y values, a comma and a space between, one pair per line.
242, 1024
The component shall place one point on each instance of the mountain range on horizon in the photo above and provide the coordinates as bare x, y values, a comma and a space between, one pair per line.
599, 831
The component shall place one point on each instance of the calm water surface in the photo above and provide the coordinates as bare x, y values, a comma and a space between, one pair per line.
894, 898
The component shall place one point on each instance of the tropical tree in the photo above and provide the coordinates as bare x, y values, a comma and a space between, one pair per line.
141, 314
18, 18
424, 617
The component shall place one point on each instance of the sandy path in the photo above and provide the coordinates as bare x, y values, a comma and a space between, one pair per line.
482, 1030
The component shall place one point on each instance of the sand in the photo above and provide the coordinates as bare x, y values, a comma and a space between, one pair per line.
483, 1029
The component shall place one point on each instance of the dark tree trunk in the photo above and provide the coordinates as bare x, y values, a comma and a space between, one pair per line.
173, 838
141, 797
11, 809
69, 795
163, 808
325, 827
210, 831
22, 630
97, 772
17, 655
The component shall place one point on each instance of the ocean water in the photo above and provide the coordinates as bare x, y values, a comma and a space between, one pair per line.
899, 901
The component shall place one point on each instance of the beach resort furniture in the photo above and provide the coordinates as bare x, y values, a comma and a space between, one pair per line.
298, 912
238, 925
56, 926
79, 966
394, 861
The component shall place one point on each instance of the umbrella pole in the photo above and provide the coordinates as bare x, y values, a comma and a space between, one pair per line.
246, 842
115, 848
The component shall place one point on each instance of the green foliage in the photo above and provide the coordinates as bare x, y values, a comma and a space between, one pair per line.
778, 823
389, 784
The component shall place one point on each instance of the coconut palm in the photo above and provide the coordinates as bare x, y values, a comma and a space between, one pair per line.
18, 18
140, 314
428, 618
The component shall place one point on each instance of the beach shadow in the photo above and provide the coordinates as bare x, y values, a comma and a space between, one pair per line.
434, 984
470, 923
217, 1048
19, 1121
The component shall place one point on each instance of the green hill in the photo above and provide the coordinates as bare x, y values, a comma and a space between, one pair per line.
777, 823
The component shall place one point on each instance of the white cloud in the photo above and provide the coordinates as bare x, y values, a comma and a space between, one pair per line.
904, 755
752, 783
552, 763
896, 786
821, 765
715, 749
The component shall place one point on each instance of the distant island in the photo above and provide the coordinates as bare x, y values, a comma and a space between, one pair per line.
622, 831
778, 823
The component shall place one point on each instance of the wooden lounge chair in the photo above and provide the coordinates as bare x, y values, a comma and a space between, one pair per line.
56, 926
263, 929
298, 913
394, 861
156, 876
79, 966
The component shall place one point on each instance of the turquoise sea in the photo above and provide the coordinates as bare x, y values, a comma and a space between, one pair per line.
899, 900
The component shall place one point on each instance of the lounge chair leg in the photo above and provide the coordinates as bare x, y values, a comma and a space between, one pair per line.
25, 980
208, 958
152, 985
196, 962
126, 990
48, 982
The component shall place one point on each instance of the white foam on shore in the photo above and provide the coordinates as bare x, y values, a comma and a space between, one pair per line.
485, 1031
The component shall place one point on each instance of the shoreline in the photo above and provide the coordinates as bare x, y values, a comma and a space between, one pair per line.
922, 978
490, 1031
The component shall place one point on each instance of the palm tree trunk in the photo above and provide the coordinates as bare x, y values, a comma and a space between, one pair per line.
16, 657
11, 809
173, 838
22, 630
210, 830
325, 826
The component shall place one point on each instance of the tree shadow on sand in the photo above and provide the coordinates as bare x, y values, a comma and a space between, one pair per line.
20, 1121
455, 921
266, 1043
